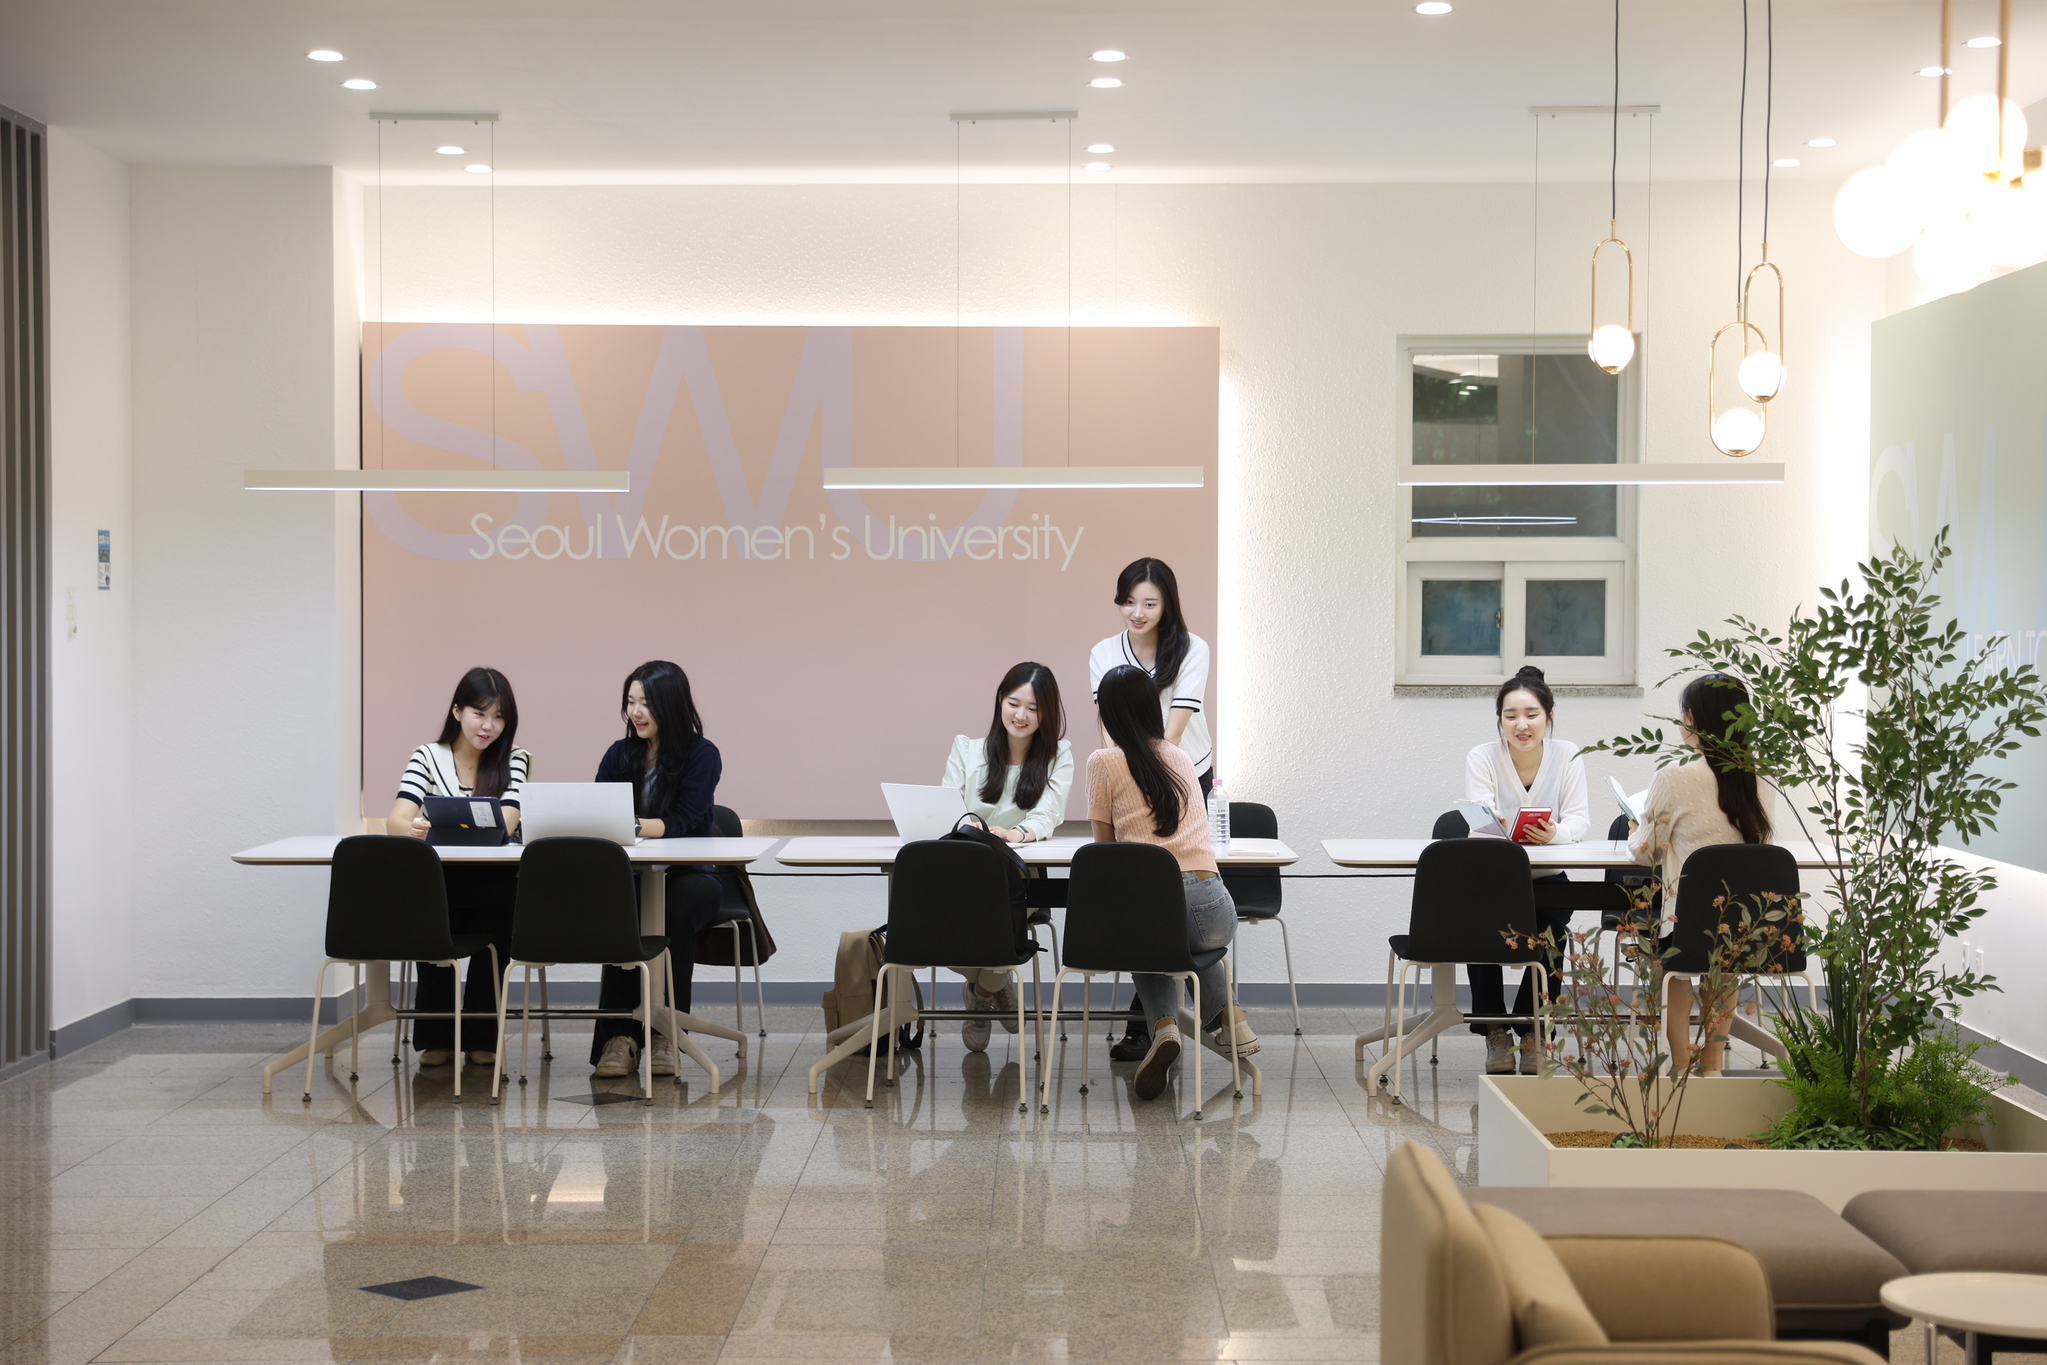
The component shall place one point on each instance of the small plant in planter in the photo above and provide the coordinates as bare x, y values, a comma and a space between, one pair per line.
1877, 723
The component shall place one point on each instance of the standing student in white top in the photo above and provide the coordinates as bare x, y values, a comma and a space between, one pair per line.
1705, 800
1016, 779
1527, 767
475, 756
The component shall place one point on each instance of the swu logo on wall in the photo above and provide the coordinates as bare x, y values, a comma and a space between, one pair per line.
611, 526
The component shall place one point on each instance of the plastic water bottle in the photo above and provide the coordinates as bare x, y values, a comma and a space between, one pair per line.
1219, 818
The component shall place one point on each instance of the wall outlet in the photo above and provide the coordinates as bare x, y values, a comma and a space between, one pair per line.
1976, 959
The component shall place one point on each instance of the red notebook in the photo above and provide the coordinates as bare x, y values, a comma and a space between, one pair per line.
1530, 815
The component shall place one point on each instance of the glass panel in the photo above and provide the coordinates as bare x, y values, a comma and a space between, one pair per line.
1566, 617
1461, 616
1515, 409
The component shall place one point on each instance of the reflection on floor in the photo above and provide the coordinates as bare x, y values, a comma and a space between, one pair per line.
156, 1207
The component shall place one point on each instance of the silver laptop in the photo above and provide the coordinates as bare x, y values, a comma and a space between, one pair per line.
923, 812
594, 810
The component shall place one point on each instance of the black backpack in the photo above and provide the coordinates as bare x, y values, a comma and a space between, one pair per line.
973, 829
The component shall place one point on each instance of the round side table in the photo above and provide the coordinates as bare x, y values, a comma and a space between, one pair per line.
1996, 1311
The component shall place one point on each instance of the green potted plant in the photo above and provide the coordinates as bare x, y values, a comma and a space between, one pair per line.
1878, 722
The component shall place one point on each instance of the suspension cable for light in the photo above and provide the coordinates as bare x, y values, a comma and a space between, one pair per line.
1737, 430
1612, 346
1761, 375
386, 480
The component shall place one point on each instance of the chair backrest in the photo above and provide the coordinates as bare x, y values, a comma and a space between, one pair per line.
1442, 1293
1618, 830
1624, 876
387, 898
948, 905
1467, 894
576, 903
1742, 872
1450, 825
1254, 889
725, 824
1126, 911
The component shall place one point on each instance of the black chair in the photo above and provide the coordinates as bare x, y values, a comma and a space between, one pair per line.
1256, 889
577, 905
948, 904
388, 902
1753, 877
1468, 895
1127, 912
736, 902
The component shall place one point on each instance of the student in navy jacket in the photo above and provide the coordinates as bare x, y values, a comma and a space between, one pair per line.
674, 771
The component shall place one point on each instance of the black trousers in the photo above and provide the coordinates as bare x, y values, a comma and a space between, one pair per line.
1488, 992
479, 902
693, 905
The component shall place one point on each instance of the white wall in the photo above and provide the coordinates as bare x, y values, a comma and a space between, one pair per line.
1311, 285
91, 667
239, 706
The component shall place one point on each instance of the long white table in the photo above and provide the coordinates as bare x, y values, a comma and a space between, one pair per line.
317, 850
1443, 1013
879, 851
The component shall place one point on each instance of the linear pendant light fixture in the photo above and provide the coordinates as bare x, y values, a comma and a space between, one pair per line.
471, 480
982, 478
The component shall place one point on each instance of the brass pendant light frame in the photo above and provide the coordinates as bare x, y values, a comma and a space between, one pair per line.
1713, 388
1746, 285
1613, 239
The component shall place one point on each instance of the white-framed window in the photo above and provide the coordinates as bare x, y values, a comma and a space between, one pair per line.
1492, 577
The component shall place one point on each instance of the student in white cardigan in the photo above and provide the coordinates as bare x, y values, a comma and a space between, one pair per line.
1705, 800
1016, 779
1527, 767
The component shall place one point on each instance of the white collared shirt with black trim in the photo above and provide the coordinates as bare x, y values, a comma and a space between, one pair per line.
1189, 691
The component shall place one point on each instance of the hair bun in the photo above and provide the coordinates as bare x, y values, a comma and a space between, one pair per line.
1529, 671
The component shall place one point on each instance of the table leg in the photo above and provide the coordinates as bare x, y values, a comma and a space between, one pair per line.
653, 923
378, 1011
1443, 1016
1932, 1341
1747, 1032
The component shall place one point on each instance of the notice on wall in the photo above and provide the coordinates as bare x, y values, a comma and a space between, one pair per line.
106, 561
835, 639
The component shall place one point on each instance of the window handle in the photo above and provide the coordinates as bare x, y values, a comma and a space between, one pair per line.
1500, 619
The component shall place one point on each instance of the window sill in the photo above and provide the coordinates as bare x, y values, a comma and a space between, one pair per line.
1487, 689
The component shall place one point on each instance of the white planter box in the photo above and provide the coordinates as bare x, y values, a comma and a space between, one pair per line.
1515, 1111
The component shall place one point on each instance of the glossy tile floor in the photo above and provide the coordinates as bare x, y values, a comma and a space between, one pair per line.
156, 1207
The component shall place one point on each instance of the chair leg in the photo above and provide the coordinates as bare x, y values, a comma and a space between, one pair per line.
546, 1035
1230, 1023
497, 1063
526, 1019
355, 998
1194, 985
1045, 1065
738, 984
874, 1032
400, 1033
459, 1057
1400, 1027
313, 1039
1294, 992
760, 1012
1087, 985
1037, 1008
647, 1008
1115, 984
675, 1034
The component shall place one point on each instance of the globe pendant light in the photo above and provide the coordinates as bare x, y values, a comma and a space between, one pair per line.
1612, 345
1736, 430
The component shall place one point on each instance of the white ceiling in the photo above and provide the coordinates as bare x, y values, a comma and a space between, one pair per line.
861, 90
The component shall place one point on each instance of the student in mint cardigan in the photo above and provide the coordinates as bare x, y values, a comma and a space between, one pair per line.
674, 771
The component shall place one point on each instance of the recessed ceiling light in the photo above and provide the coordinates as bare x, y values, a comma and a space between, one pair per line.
1984, 42
477, 168
1785, 163
1933, 71
1098, 166
450, 150
324, 54
1105, 82
1432, 7
1109, 54
358, 84
1100, 148
1820, 142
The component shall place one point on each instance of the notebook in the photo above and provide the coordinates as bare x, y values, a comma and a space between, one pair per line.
923, 812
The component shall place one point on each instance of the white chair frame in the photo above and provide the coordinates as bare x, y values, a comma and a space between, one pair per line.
355, 993
646, 1012
1193, 980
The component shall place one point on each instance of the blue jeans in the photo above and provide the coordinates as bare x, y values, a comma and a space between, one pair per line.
1211, 920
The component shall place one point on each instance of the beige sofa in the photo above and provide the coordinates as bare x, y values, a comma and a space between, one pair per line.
1470, 1284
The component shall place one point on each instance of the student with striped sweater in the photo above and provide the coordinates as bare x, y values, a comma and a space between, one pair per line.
475, 756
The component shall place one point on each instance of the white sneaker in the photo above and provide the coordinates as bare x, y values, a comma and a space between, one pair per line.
1158, 1063
1499, 1052
1247, 1041
621, 1057
1005, 1000
975, 1032
665, 1060
1531, 1059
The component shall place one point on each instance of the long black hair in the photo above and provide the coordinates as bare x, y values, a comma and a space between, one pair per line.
1037, 764
1713, 701
1172, 626
480, 688
1130, 717
677, 728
